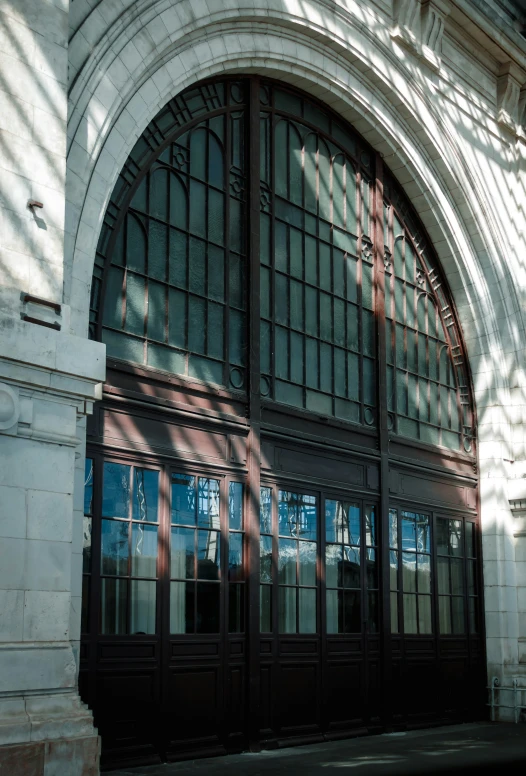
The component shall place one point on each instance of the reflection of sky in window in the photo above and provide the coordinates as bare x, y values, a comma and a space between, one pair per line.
415, 532
145, 496
342, 522
297, 515
116, 493
208, 503
183, 499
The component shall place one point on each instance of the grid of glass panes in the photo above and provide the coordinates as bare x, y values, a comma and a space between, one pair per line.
195, 566
236, 577
266, 566
129, 533
450, 573
317, 323
297, 553
394, 585
412, 537
422, 390
175, 296
342, 566
86, 544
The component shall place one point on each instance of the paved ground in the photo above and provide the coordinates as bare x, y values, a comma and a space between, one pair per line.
461, 749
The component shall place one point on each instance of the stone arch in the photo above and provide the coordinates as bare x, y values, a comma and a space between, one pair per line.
366, 84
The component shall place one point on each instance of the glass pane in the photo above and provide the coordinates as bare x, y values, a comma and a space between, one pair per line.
443, 575
457, 607
208, 543
235, 506
352, 612
114, 547
408, 525
372, 569
442, 537
265, 549
287, 610
307, 611
86, 544
145, 494
144, 550
444, 614
207, 620
470, 540
208, 503
182, 595
265, 611
393, 570
457, 576
235, 557
370, 526
142, 606
424, 574
297, 515
116, 490
393, 529
183, 553
455, 538
236, 608
342, 522
394, 613
373, 613
287, 561
333, 565
410, 621
183, 499
88, 486
114, 593
424, 614
334, 611
307, 559
351, 567
409, 572
265, 510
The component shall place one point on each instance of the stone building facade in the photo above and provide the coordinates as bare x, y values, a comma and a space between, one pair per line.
436, 87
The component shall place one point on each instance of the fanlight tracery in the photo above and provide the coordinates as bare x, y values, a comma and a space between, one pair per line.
172, 286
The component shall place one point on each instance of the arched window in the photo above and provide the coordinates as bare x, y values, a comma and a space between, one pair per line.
173, 271
281, 481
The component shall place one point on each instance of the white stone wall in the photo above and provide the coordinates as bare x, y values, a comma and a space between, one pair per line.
433, 85
48, 380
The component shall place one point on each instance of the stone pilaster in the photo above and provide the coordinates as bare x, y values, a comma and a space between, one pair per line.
48, 383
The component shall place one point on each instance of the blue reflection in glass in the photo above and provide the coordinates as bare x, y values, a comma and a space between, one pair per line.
116, 491
183, 499
145, 495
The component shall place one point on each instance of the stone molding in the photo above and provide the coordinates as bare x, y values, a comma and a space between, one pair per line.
511, 98
9, 407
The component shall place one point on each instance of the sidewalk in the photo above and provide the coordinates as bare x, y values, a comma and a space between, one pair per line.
460, 749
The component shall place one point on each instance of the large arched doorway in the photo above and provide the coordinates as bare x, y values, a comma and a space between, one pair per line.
281, 533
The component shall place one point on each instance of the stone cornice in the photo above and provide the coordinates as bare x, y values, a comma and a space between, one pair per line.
489, 30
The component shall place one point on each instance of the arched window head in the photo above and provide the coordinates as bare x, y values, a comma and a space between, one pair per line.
175, 270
